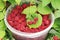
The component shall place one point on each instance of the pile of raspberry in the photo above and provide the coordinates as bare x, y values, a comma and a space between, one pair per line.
18, 20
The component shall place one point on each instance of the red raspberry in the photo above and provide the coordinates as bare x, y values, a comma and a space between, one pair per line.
45, 16
23, 15
19, 15
12, 19
17, 18
44, 20
55, 38
24, 6
12, 15
9, 18
36, 30
27, 29
41, 28
17, 27
22, 27
32, 30
47, 22
20, 21
34, 22
14, 10
42, 24
35, 19
11, 23
24, 23
30, 22
18, 7
15, 23
20, 10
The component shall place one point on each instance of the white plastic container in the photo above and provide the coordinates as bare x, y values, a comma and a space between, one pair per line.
28, 36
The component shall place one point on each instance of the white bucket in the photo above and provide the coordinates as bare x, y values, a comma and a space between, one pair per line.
18, 34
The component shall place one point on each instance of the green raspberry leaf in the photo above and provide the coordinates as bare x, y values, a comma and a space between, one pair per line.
29, 17
2, 5
2, 28
57, 14
57, 22
39, 22
45, 2
12, 2
2, 34
18, 1
4, 11
30, 10
56, 25
4, 0
43, 10
52, 31
55, 4
2, 25
1, 15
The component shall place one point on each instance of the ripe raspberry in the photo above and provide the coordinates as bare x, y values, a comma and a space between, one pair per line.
41, 28
9, 18
11, 23
16, 18
24, 23
20, 21
47, 22
45, 16
35, 19
55, 38
36, 30
24, 6
17, 27
20, 10
18, 7
34, 22
12, 15
30, 22
27, 29
22, 27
